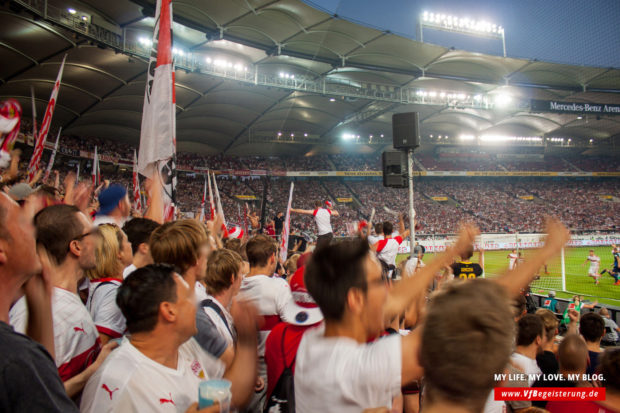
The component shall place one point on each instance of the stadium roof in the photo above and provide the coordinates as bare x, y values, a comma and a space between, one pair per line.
277, 76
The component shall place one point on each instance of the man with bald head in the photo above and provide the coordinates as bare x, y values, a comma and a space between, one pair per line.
573, 359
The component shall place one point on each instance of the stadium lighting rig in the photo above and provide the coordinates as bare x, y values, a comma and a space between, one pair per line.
462, 25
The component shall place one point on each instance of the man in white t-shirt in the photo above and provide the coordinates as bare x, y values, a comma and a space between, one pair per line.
336, 370
216, 330
530, 333
160, 367
185, 244
595, 265
269, 294
69, 239
114, 206
138, 232
387, 248
512, 259
378, 236
322, 219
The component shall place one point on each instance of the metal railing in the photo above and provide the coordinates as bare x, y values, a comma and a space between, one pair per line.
323, 85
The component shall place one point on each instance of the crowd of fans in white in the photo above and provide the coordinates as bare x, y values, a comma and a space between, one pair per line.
104, 312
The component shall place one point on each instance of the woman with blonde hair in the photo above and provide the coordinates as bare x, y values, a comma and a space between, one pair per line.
547, 360
113, 254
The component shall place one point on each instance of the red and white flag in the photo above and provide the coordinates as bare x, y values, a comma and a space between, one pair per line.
35, 161
34, 113
157, 152
287, 227
211, 202
50, 164
137, 198
95, 170
218, 202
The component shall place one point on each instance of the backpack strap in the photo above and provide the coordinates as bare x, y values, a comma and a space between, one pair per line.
92, 297
209, 303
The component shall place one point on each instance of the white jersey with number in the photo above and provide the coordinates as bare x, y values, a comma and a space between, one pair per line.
595, 263
102, 306
128, 381
76, 341
513, 260
322, 218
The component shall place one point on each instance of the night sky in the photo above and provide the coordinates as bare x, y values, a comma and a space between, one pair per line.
561, 31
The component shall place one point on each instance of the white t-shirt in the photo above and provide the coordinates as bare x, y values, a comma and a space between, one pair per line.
528, 365
322, 218
387, 249
76, 341
513, 260
218, 322
107, 219
595, 263
373, 239
128, 381
337, 374
200, 292
270, 296
128, 270
103, 309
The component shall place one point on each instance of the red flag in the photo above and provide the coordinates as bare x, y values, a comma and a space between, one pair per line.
50, 164
95, 169
33, 166
137, 199
287, 227
157, 153
211, 203
204, 200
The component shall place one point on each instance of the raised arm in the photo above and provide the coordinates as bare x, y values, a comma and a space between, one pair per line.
303, 211
520, 277
410, 288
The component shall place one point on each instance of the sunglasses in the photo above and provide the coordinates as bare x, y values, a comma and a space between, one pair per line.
94, 231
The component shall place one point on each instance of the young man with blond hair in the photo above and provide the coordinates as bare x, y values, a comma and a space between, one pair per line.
186, 245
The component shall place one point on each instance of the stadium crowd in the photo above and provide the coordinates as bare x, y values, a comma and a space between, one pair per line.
102, 311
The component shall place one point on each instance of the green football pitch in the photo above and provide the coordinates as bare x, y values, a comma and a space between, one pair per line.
577, 279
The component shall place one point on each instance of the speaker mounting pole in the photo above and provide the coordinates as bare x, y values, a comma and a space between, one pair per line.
411, 209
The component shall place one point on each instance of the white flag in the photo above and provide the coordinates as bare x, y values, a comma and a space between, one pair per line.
287, 227
158, 132
218, 201
50, 164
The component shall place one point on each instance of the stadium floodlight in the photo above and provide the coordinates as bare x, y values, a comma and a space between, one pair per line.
332, 99
502, 99
462, 25
466, 137
71, 11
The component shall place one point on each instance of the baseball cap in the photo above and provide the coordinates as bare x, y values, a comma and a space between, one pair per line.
329, 203
110, 197
20, 191
301, 310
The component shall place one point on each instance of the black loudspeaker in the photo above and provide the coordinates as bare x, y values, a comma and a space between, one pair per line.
394, 169
405, 130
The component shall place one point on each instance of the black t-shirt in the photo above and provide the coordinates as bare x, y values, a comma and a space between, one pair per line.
466, 270
279, 223
29, 380
547, 362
